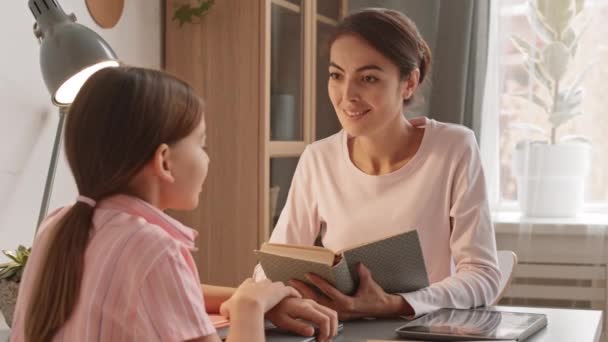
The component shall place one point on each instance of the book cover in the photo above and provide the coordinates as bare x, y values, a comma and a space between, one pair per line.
396, 263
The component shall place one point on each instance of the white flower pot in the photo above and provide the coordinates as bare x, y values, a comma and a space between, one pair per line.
551, 178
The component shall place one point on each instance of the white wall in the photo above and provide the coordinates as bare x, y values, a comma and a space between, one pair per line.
28, 121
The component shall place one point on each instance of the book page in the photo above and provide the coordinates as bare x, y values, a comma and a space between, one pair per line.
310, 253
340, 252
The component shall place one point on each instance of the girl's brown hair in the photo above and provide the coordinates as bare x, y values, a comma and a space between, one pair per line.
394, 35
116, 123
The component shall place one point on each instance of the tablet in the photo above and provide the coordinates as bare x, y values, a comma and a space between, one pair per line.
473, 324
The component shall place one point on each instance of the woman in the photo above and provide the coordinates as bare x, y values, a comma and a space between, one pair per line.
383, 174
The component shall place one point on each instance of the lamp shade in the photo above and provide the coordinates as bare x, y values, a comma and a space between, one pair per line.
69, 52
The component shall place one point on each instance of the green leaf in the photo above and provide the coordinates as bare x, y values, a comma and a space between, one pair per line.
186, 13
22, 250
565, 103
183, 14
541, 76
544, 31
557, 14
524, 47
8, 273
569, 37
580, 5
557, 119
574, 44
11, 255
556, 60
579, 79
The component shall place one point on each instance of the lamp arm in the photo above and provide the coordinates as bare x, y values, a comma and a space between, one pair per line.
50, 177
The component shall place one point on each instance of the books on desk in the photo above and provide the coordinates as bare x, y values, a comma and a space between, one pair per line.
473, 325
396, 263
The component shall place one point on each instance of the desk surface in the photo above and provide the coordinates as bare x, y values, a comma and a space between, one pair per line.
563, 325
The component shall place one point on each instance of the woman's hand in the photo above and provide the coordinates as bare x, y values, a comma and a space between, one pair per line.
369, 300
257, 296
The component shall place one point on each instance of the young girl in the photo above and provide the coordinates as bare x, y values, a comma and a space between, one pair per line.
113, 266
382, 175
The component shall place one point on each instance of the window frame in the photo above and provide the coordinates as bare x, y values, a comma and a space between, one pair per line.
489, 127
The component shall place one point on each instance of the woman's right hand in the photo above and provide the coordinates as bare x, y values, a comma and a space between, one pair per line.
262, 295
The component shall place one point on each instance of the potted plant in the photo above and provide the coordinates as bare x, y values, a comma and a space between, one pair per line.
186, 13
10, 276
551, 173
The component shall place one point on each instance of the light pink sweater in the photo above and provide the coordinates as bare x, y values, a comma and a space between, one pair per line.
440, 192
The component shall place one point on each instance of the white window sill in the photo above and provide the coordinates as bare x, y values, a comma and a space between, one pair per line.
585, 224
583, 219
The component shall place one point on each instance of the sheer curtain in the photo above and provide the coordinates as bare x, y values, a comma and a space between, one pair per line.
562, 261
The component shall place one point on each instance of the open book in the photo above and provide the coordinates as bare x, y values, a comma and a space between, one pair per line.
396, 263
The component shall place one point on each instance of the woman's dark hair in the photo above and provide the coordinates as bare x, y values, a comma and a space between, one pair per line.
116, 123
393, 34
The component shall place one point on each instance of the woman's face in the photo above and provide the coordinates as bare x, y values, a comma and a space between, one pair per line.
364, 86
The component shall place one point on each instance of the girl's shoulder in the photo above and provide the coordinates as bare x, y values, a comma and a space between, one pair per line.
134, 231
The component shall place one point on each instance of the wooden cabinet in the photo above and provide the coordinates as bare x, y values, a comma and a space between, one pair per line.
299, 110
261, 66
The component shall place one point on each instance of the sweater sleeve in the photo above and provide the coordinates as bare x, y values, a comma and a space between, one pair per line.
299, 221
472, 243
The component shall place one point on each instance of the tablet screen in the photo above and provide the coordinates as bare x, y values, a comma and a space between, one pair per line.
474, 323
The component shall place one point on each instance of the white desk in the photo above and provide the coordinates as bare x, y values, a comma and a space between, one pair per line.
564, 325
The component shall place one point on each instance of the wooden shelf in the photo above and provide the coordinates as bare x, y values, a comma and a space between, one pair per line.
297, 9
286, 148
327, 20
287, 5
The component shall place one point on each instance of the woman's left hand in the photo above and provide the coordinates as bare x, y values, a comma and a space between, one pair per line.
370, 300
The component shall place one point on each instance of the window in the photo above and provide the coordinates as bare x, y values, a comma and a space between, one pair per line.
506, 107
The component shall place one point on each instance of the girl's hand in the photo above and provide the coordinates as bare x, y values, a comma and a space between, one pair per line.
257, 296
298, 315
369, 300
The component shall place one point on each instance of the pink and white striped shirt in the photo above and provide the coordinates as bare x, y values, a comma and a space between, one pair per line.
140, 281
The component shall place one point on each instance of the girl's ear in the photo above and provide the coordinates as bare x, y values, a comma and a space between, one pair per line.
411, 83
161, 163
